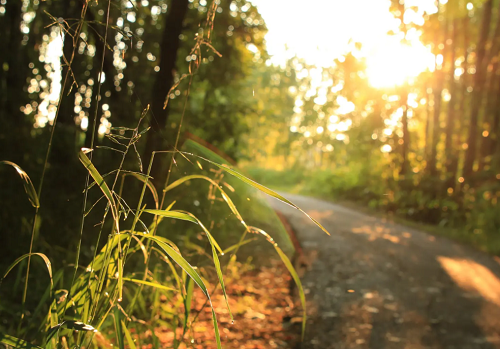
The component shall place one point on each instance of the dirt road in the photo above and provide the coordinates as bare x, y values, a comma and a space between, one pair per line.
374, 284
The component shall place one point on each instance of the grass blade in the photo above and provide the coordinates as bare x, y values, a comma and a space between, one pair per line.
216, 328
218, 269
172, 214
149, 283
119, 328
13, 342
210, 237
99, 180
262, 188
187, 303
291, 270
221, 280
226, 198
296, 278
145, 179
177, 258
130, 341
71, 325
28, 185
45, 259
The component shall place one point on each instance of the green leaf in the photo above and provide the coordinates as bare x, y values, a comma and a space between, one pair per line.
296, 278
149, 283
261, 188
28, 185
187, 302
57, 276
216, 328
226, 198
291, 270
145, 179
221, 280
130, 341
119, 328
177, 258
110, 148
99, 180
71, 325
78, 326
158, 220
215, 248
172, 214
13, 342
45, 259
124, 172
210, 237
171, 266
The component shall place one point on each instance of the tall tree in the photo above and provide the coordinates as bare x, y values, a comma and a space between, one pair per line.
437, 97
170, 43
451, 120
478, 89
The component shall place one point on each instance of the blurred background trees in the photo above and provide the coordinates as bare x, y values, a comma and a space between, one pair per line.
148, 55
416, 134
421, 144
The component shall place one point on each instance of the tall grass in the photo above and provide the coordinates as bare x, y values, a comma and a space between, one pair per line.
119, 296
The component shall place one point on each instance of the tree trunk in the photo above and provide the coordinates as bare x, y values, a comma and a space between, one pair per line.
172, 28
437, 90
492, 57
13, 95
478, 85
451, 120
406, 135
462, 110
15, 59
494, 144
489, 118
428, 143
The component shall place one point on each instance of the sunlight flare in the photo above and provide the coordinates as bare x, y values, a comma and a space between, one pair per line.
393, 63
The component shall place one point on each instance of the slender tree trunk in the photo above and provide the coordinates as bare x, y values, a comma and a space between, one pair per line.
492, 57
450, 154
462, 110
494, 144
15, 59
172, 28
438, 90
404, 119
428, 113
406, 135
14, 70
477, 96
489, 118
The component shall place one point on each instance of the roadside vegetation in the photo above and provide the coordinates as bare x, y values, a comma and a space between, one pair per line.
114, 255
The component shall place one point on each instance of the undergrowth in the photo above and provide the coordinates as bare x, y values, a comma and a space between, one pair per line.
136, 276
475, 223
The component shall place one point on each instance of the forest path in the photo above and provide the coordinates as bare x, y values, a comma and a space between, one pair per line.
375, 284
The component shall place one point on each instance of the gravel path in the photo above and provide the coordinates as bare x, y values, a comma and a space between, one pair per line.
374, 284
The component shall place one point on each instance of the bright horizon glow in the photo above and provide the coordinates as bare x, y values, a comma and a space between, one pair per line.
394, 63
325, 30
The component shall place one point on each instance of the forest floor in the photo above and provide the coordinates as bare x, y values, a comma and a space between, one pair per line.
265, 313
376, 284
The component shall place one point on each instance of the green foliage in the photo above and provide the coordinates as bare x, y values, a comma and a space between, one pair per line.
28, 185
114, 275
425, 150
